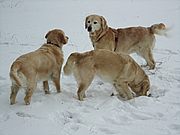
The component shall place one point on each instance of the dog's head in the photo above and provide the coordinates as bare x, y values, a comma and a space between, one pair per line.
56, 37
94, 23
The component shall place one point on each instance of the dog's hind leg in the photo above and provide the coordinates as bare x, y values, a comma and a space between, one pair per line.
31, 86
14, 90
28, 96
83, 85
148, 56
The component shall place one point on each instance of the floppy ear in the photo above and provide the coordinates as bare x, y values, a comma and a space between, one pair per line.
104, 27
61, 37
47, 34
103, 23
86, 22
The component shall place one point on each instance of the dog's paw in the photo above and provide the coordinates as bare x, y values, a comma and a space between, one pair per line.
27, 103
12, 103
47, 92
58, 91
148, 94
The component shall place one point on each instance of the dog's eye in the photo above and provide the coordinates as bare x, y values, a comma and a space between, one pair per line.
88, 21
95, 22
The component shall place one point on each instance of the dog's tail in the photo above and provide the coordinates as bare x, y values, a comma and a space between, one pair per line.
68, 68
159, 29
14, 73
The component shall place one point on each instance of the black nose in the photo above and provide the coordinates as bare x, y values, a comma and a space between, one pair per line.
89, 29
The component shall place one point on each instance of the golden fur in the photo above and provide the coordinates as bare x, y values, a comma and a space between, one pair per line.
41, 65
138, 40
118, 69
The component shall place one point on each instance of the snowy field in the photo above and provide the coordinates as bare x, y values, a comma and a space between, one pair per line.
23, 25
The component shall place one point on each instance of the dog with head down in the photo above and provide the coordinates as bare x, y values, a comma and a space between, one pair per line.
42, 64
140, 40
118, 69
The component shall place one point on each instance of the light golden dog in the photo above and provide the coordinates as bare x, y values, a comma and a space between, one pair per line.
138, 40
118, 69
41, 65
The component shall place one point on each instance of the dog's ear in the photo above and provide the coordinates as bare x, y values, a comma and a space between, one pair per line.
103, 23
86, 22
62, 38
47, 34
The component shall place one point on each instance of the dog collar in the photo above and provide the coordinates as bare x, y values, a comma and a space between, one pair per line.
54, 44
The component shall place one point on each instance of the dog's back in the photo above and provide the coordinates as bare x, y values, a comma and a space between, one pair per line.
106, 64
38, 63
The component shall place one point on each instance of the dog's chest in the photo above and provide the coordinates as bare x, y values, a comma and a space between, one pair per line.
104, 44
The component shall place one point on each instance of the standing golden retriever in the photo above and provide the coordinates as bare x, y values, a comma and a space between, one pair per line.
138, 40
41, 65
118, 69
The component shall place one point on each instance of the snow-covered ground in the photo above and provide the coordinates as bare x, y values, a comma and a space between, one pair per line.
23, 24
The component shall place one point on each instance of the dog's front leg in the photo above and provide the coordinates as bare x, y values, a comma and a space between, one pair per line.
81, 92
57, 84
46, 87
123, 90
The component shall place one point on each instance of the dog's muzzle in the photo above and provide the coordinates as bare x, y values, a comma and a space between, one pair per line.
89, 29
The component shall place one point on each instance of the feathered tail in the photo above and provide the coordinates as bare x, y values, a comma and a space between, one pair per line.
68, 68
159, 29
14, 73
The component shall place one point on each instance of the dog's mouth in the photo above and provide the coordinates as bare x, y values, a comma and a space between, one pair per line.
92, 33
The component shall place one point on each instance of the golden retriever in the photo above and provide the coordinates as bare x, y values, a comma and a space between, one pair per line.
140, 40
116, 68
41, 65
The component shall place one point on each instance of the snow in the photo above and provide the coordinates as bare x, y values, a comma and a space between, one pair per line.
23, 25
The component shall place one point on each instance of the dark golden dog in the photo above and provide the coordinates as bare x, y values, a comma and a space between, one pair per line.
40, 65
140, 40
118, 69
